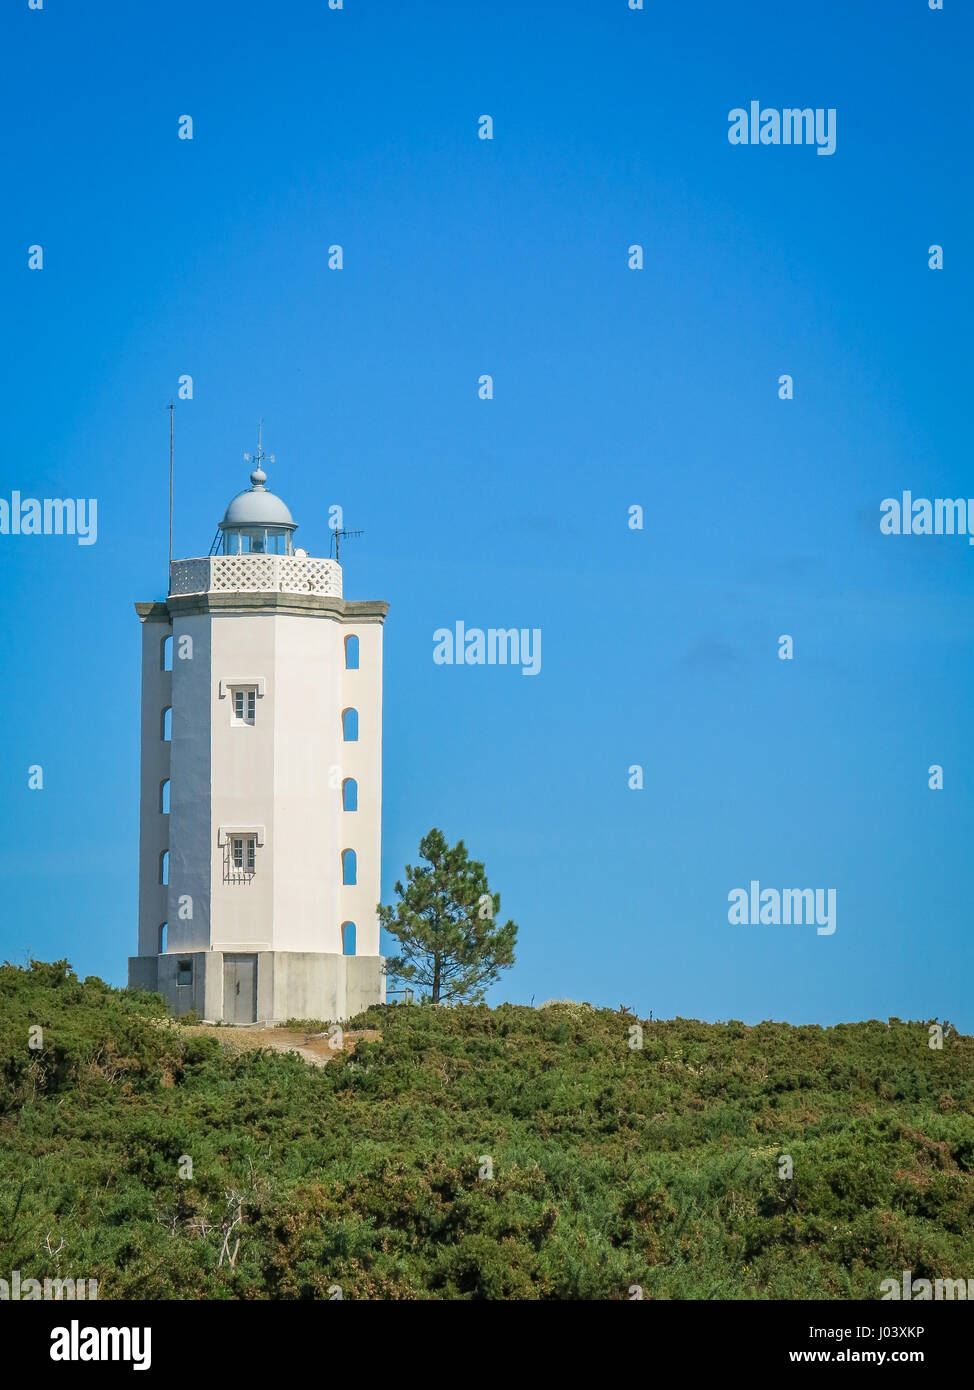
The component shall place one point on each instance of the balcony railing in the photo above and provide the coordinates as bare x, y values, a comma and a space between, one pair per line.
256, 574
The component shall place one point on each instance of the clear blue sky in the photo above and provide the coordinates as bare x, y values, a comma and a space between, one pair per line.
612, 387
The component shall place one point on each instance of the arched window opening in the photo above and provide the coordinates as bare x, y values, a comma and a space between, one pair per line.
164, 797
350, 725
164, 867
351, 653
167, 724
166, 655
348, 938
349, 866
163, 931
349, 794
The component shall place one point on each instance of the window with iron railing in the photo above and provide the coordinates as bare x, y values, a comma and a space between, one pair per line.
240, 861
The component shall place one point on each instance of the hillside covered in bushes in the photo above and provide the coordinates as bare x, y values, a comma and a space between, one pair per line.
470, 1152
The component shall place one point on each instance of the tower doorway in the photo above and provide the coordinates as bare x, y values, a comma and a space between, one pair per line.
240, 989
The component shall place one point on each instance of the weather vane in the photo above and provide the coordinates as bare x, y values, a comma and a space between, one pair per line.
258, 458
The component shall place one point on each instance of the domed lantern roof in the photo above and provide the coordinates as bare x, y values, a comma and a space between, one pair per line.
257, 521
255, 506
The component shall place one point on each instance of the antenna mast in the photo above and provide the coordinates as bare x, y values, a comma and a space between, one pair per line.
170, 480
337, 533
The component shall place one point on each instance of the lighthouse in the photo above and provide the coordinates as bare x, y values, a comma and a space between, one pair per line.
261, 781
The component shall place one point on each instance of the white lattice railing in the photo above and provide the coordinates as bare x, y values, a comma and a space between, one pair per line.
256, 574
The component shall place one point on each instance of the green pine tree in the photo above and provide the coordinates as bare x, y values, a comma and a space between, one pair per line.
445, 924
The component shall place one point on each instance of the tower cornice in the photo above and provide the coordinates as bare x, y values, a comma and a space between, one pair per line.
152, 612
297, 605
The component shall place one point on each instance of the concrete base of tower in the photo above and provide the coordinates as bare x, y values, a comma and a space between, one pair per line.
262, 987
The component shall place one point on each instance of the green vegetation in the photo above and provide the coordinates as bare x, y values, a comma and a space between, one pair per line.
611, 1166
444, 922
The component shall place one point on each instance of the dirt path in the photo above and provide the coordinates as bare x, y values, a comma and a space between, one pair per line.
316, 1048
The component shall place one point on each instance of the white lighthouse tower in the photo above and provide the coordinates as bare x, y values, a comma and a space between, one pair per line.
261, 789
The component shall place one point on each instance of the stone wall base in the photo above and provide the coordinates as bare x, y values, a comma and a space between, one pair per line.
289, 984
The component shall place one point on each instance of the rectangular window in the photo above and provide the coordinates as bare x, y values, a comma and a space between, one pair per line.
245, 704
184, 972
244, 853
